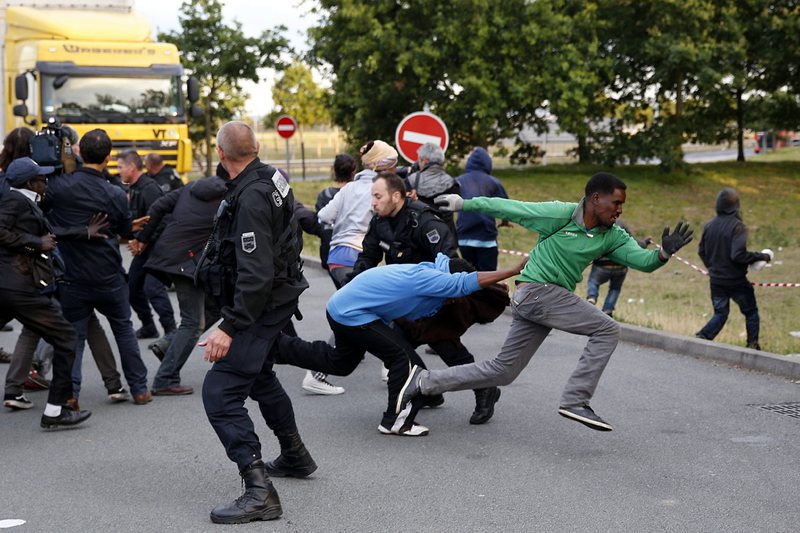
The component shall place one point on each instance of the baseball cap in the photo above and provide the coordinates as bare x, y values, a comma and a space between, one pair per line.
24, 169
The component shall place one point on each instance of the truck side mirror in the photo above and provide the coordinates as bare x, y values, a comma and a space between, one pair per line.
21, 110
196, 111
60, 81
21, 87
193, 89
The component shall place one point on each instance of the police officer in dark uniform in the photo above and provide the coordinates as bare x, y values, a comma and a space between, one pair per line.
409, 231
252, 265
164, 175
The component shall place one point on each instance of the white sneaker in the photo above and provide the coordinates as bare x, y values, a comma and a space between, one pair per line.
317, 383
384, 374
416, 430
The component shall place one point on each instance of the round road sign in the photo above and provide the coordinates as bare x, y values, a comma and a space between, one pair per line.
417, 129
286, 126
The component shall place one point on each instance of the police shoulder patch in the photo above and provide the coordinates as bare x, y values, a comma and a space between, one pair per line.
280, 183
249, 242
433, 236
276, 198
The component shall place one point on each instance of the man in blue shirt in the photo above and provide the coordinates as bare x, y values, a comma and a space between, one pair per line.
94, 277
360, 315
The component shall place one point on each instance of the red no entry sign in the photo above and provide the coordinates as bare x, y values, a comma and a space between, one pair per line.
417, 129
286, 126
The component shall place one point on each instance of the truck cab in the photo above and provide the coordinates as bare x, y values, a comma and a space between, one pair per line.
97, 69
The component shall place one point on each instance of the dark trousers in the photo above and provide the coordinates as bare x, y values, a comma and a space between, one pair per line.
352, 342
483, 259
79, 301
191, 303
745, 297
247, 371
28, 341
41, 314
146, 290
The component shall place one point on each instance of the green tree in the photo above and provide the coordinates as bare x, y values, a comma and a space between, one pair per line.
464, 60
296, 93
220, 56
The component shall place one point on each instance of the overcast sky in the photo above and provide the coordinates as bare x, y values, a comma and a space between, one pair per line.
255, 17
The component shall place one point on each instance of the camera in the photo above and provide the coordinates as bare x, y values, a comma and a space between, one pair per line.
50, 147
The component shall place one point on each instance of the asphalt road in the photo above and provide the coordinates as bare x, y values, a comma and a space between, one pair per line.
691, 451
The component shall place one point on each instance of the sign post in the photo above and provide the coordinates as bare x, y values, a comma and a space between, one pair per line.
417, 129
286, 126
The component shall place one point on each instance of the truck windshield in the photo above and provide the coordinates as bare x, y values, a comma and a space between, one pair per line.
97, 99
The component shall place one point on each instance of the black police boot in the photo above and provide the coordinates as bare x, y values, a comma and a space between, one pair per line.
147, 331
484, 405
294, 460
259, 502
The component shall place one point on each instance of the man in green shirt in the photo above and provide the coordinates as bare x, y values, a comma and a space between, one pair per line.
571, 236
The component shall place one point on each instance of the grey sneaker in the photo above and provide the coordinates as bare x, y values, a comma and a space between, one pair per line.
586, 416
410, 389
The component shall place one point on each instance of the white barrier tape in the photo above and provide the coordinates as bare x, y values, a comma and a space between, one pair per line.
682, 260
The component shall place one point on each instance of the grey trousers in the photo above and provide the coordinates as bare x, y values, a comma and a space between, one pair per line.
27, 345
536, 309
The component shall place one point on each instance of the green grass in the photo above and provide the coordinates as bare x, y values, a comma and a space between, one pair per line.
675, 298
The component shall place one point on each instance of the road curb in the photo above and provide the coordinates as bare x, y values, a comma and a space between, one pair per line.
737, 356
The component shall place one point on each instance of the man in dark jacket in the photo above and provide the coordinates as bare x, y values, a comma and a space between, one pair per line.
723, 249
173, 256
94, 277
164, 175
252, 265
144, 289
477, 233
26, 267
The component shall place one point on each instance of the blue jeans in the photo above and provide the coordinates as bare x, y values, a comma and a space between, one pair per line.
191, 302
745, 297
78, 302
614, 277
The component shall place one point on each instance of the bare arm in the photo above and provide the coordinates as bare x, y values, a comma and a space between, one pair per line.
490, 278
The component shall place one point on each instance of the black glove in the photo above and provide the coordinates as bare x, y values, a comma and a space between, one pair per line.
671, 243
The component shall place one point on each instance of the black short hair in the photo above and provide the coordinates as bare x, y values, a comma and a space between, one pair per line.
458, 264
394, 183
95, 146
343, 167
131, 157
604, 183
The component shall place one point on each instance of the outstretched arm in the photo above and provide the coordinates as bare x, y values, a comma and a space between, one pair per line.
490, 278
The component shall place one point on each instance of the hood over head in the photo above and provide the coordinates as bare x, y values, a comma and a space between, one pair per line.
479, 159
208, 189
728, 202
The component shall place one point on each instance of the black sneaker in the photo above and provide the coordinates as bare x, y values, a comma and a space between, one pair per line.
68, 417
484, 404
585, 416
17, 401
155, 347
410, 389
118, 395
147, 332
432, 402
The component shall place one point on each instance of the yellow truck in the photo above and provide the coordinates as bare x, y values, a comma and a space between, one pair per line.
94, 65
